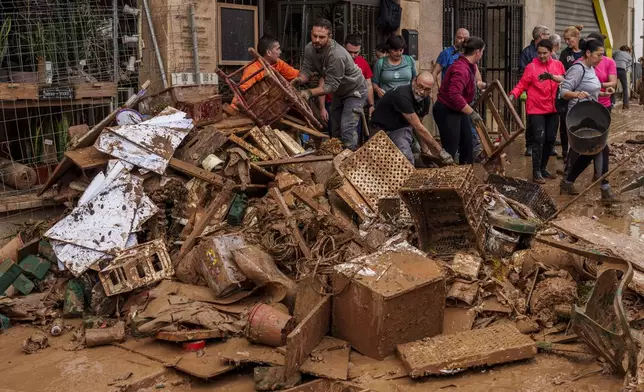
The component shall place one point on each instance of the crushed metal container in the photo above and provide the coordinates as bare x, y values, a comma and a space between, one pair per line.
136, 267
388, 298
217, 264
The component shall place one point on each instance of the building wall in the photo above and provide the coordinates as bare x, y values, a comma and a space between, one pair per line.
538, 12
638, 29
426, 17
620, 20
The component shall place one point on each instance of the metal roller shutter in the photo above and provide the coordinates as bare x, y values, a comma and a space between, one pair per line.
575, 12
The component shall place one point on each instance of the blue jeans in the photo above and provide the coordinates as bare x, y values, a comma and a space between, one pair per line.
345, 116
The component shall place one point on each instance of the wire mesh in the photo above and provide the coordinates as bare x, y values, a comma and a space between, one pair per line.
63, 63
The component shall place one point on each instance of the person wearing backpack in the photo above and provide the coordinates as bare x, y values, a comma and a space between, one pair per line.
540, 106
397, 69
581, 83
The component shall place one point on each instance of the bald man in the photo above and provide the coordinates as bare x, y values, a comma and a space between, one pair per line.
399, 114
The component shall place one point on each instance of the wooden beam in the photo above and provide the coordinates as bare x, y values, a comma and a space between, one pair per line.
289, 161
198, 172
295, 231
248, 147
497, 118
307, 130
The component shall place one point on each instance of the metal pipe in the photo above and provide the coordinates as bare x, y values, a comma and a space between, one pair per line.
154, 43
115, 39
195, 48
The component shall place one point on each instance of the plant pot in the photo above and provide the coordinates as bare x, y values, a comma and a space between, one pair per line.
269, 326
43, 171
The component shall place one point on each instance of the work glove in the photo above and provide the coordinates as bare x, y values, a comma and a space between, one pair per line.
475, 116
305, 94
296, 82
545, 76
446, 158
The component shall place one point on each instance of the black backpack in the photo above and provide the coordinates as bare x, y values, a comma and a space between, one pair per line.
389, 17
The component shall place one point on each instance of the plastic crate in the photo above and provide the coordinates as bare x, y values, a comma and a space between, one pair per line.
527, 193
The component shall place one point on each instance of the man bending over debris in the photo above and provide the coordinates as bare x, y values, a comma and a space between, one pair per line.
399, 112
269, 48
342, 78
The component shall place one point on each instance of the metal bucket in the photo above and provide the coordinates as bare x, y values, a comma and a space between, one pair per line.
587, 124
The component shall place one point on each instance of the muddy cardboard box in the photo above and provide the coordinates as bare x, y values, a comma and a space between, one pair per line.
387, 298
218, 265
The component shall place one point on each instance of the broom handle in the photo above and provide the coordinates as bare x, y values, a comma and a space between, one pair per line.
571, 202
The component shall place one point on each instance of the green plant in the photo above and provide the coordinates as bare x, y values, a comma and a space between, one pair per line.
62, 136
4, 37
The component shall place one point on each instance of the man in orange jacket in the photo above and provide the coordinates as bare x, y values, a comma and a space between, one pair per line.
269, 48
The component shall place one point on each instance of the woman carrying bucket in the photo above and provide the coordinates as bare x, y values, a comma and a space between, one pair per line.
581, 84
540, 106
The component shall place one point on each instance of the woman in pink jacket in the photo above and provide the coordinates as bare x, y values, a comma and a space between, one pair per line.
540, 106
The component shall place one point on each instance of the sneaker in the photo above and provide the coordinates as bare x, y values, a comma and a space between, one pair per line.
567, 188
547, 175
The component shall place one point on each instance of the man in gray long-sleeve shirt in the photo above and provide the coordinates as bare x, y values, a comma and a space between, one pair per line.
342, 78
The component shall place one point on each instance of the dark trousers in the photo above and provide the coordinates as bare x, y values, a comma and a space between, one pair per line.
529, 136
579, 163
623, 80
455, 131
544, 132
563, 134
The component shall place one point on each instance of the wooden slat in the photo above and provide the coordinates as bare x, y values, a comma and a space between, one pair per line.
15, 91
275, 141
95, 90
248, 147
197, 172
264, 143
306, 336
288, 161
88, 157
497, 118
295, 231
307, 130
27, 201
291, 145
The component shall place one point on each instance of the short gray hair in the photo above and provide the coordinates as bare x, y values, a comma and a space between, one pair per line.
538, 30
555, 39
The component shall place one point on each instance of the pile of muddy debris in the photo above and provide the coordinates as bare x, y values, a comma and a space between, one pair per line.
211, 247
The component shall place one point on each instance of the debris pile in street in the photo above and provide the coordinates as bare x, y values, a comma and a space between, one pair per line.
208, 247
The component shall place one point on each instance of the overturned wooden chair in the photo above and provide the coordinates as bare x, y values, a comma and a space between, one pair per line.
494, 160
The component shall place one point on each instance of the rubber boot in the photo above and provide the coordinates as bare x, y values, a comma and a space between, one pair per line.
609, 197
537, 178
567, 188
547, 175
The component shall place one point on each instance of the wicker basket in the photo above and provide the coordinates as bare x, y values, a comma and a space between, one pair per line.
269, 99
527, 193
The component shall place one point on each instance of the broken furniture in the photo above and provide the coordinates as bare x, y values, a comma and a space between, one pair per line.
269, 99
440, 202
201, 103
493, 160
137, 267
602, 323
387, 298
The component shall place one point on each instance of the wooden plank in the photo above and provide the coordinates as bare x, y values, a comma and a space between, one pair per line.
307, 130
197, 172
291, 145
226, 108
224, 197
295, 231
24, 104
275, 141
237, 130
497, 118
27, 201
90, 137
248, 147
262, 170
277, 162
15, 91
206, 141
307, 335
95, 90
88, 157
354, 199
264, 143
234, 122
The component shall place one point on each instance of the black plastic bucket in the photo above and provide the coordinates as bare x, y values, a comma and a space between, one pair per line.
587, 124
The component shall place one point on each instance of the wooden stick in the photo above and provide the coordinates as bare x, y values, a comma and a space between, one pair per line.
304, 129
197, 172
277, 195
571, 202
224, 197
288, 161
